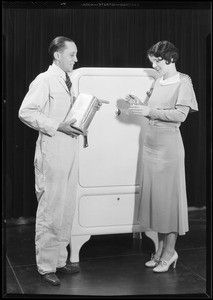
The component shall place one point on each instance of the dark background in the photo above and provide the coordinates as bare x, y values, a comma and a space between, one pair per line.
107, 34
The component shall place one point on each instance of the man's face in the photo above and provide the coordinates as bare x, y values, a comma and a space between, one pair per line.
67, 57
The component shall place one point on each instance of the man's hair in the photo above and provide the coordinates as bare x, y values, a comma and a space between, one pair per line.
58, 44
165, 50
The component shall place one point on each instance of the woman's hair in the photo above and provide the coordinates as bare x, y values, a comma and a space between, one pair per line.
58, 44
165, 50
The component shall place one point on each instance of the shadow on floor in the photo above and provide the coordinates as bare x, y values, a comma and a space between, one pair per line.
111, 265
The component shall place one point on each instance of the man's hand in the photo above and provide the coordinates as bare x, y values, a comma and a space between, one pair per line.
66, 128
98, 106
100, 102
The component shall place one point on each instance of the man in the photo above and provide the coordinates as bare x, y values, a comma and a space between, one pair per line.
44, 108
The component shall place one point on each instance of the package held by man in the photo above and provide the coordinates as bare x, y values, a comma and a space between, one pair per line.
83, 110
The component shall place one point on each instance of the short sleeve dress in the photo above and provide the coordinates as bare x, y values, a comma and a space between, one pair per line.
163, 206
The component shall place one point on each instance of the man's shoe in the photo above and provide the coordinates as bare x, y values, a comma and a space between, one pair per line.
51, 278
69, 269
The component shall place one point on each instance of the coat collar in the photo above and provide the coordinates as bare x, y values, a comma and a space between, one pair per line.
56, 71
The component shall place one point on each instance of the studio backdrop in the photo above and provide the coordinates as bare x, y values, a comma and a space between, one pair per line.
106, 36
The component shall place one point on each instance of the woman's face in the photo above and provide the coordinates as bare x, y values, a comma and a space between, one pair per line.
160, 65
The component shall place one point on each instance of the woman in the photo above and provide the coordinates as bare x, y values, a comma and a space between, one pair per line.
163, 195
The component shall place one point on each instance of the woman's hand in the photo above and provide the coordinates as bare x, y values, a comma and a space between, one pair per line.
132, 99
141, 110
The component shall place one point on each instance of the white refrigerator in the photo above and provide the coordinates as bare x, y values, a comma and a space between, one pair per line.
109, 169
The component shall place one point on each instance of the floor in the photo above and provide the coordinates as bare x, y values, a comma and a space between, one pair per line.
111, 265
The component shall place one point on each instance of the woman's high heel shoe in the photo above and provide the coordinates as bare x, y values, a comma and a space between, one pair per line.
153, 262
164, 265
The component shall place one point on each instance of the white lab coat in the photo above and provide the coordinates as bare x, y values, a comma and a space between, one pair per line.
44, 108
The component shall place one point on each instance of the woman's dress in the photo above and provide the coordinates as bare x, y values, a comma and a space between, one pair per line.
163, 195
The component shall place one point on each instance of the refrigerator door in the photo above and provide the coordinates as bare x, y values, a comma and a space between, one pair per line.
109, 169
